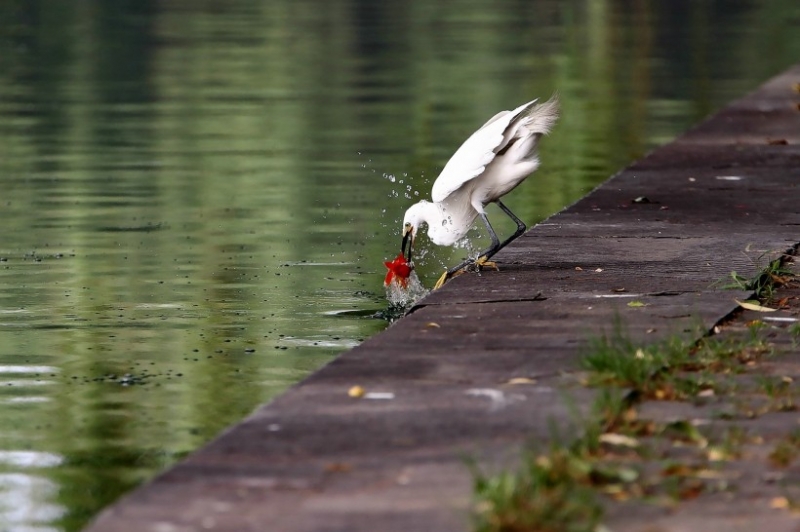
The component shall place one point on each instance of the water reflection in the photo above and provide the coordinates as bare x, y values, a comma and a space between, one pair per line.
197, 198
27, 503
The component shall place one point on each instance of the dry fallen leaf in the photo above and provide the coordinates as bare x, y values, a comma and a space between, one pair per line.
782, 302
337, 467
578, 269
712, 474
617, 492
678, 470
753, 305
356, 392
433, 324
691, 490
619, 439
779, 503
718, 454
521, 380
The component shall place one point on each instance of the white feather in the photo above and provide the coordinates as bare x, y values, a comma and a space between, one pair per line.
479, 150
490, 163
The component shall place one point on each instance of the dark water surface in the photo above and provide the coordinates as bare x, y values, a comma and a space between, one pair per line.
196, 197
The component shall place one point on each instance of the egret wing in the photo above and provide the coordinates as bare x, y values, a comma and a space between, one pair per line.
470, 160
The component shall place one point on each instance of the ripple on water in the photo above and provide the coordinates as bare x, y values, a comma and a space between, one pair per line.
27, 502
321, 341
22, 383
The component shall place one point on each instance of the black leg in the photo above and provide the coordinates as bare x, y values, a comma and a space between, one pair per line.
521, 227
491, 250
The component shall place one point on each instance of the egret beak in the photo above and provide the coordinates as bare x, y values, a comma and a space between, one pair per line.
408, 239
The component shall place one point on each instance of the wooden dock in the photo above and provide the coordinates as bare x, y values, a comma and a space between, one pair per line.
662, 232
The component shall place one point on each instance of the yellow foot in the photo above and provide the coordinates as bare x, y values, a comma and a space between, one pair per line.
445, 277
441, 281
484, 264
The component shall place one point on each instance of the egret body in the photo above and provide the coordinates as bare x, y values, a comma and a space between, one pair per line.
489, 165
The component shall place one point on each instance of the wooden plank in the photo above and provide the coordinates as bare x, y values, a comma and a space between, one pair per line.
316, 459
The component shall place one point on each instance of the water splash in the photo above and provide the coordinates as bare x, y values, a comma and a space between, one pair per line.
405, 297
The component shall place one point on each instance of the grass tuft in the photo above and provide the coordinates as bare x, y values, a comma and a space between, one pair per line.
550, 492
786, 450
765, 282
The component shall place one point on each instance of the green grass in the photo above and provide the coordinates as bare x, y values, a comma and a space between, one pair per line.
556, 489
765, 282
565, 486
794, 331
613, 359
786, 450
550, 492
774, 387
668, 370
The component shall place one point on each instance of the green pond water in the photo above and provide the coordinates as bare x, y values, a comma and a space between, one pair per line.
196, 197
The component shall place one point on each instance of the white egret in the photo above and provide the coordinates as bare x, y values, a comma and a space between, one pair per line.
490, 163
